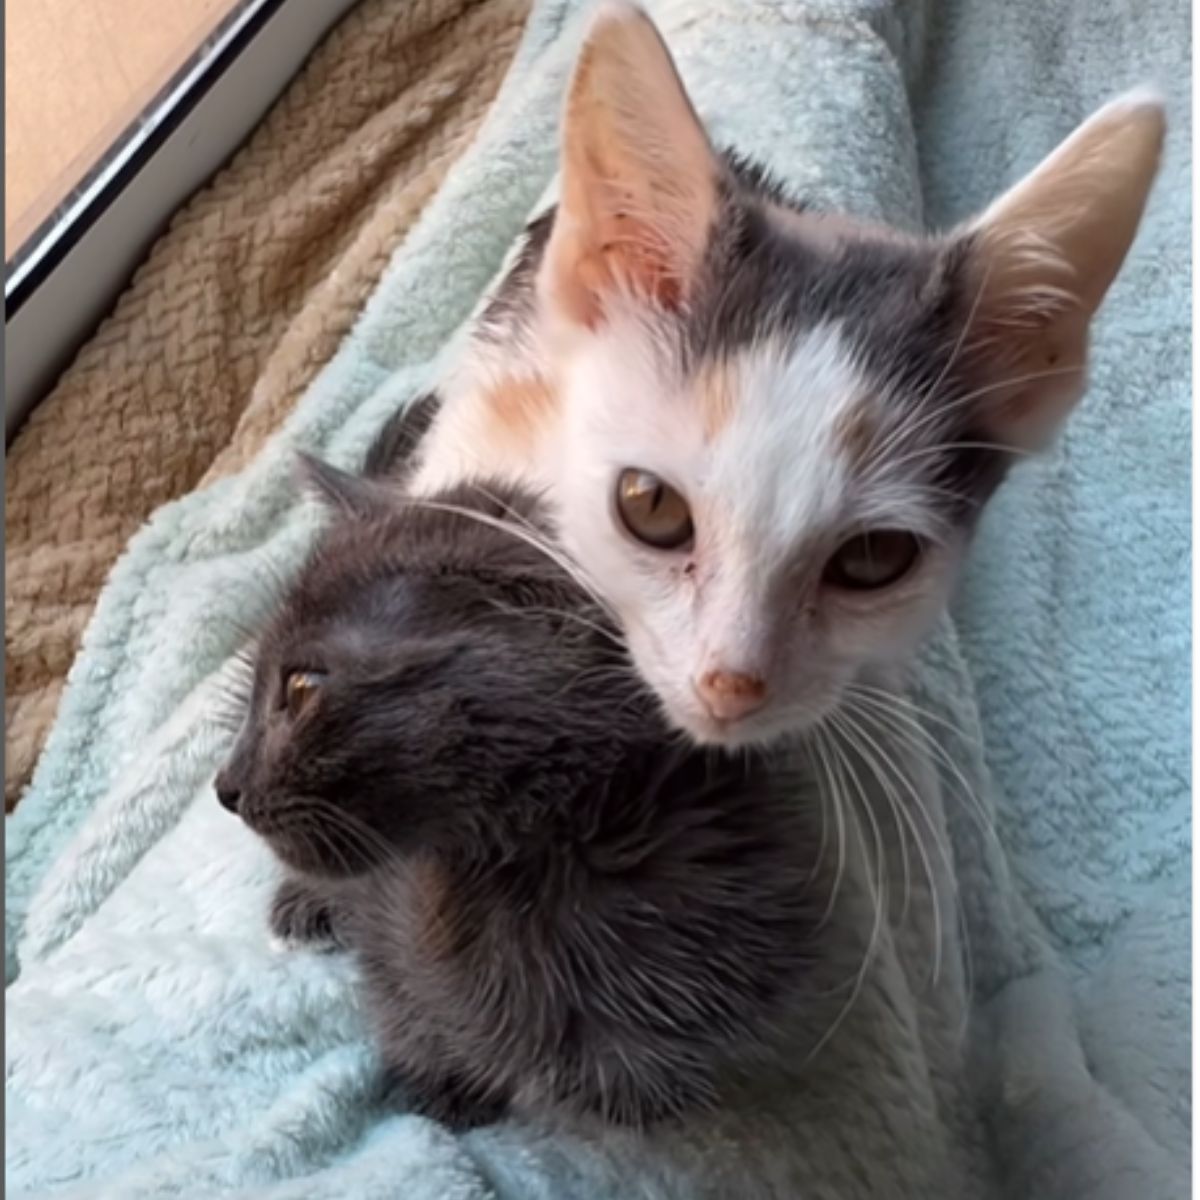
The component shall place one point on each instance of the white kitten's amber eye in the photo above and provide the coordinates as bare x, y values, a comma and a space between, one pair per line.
300, 689
653, 511
873, 560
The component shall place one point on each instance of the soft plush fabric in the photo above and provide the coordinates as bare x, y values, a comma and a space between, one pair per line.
155, 1045
237, 307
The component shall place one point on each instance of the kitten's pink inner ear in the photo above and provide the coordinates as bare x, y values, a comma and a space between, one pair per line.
1046, 253
639, 177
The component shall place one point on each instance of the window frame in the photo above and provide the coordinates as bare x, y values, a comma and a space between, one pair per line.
65, 277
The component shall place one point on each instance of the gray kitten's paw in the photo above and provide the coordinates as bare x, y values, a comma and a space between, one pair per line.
449, 1099
291, 945
302, 919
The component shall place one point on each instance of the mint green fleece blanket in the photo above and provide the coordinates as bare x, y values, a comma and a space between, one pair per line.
155, 1045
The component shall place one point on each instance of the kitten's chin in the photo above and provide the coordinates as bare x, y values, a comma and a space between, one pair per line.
761, 729
329, 859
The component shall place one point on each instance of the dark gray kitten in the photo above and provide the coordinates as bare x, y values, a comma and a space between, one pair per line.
556, 905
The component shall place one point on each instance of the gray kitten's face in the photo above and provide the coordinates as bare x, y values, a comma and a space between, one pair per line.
423, 670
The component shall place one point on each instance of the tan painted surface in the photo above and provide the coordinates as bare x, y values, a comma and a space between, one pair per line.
78, 72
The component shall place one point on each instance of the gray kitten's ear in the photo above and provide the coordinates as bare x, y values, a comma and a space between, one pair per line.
351, 495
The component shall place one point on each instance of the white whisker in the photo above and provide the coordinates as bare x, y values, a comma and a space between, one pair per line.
879, 763
876, 889
908, 432
819, 744
902, 721
946, 856
556, 556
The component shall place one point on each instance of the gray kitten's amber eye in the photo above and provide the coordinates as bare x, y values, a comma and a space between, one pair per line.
873, 560
299, 689
653, 511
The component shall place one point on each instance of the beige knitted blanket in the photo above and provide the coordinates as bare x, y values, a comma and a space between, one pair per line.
236, 308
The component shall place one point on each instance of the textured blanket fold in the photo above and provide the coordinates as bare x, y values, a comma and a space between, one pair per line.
237, 307
156, 1046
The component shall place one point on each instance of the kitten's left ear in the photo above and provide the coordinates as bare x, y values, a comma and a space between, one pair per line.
350, 495
1043, 257
639, 177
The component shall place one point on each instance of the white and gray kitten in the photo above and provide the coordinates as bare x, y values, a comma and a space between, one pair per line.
765, 432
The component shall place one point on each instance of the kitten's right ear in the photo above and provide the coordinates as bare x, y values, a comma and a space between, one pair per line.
640, 181
351, 495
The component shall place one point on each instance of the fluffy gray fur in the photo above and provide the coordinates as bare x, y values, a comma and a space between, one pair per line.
557, 907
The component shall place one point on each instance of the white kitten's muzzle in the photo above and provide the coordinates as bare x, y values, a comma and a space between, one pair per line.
730, 696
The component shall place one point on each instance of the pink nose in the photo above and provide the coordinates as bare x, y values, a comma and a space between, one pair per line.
730, 696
